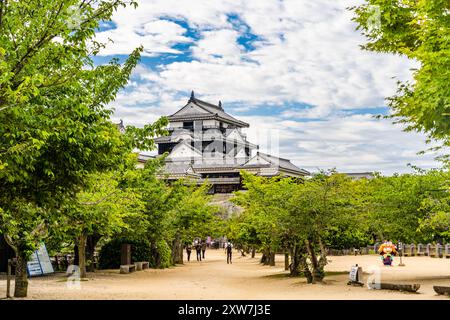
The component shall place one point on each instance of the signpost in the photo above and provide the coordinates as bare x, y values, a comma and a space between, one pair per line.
355, 276
44, 260
33, 266
8, 279
39, 263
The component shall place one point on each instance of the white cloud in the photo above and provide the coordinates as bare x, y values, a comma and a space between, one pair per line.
353, 143
305, 52
317, 61
218, 46
156, 36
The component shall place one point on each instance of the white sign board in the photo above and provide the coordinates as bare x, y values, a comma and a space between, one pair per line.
40, 263
33, 266
44, 260
353, 276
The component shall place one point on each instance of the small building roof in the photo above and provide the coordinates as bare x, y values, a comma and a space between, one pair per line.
207, 111
359, 175
144, 157
177, 170
263, 159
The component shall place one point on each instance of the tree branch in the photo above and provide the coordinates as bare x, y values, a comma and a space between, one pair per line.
98, 201
45, 38
10, 242
2, 3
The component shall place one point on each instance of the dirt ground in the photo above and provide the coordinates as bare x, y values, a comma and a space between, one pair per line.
213, 278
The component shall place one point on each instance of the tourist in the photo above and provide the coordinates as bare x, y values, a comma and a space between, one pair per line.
198, 250
188, 251
229, 249
203, 249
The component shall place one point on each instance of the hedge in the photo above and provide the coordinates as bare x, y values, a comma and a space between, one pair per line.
109, 256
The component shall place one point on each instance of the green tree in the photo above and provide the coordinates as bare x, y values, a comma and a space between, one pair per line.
435, 225
297, 217
191, 216
103, 208
55, 128
174, 212
395, 205
419, 30
265, 202
325, 202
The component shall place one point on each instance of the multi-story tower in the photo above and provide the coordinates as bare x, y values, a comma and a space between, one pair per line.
207, 143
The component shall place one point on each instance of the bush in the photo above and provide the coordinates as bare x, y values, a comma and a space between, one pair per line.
109, 256
161, 255
346, 238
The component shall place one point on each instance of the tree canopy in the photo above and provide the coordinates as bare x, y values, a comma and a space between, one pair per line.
55, 122
332, 211
419, 30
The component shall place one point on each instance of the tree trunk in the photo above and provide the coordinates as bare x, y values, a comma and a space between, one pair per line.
82, 239
272, 259
322, 260
295, 263
265, 257
21, 280
303, 264
253, 252
57, 263
299, 264
286, 261
317, 270
76, 258
155, 255
92, 241
177, 251
180, 253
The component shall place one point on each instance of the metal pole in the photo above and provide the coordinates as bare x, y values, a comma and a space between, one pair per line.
8, 280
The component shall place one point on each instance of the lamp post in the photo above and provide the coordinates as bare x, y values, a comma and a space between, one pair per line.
400, 249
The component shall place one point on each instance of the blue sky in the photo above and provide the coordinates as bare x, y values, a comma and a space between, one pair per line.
293, 69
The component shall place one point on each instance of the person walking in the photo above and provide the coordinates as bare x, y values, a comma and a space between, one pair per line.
203, 249
229, 249
188, 251
198, 250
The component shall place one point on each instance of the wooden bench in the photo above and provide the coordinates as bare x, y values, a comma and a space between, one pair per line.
442, 290
395, 286
127, 268
141, 265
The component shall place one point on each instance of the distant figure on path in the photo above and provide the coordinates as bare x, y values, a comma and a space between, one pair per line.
198, 250
229, 249
188, 251
203, 249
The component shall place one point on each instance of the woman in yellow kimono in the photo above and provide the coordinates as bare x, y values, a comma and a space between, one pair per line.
387, 251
